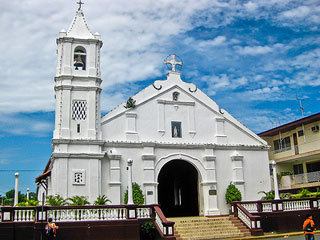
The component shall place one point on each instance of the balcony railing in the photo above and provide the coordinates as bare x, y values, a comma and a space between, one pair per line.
282, 150
306, 178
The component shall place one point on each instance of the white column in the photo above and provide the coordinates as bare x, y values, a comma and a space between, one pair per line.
16, 189
130, 196
28, 191
275, 180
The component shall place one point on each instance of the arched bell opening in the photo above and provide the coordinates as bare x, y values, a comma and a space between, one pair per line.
79, 58
178, 189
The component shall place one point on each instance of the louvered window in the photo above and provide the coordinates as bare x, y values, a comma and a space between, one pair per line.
79, 110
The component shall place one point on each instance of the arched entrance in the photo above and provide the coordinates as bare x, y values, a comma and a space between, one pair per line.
178, 189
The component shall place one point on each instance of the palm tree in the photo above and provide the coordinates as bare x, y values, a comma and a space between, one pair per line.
78, 201
101, 200
56, 200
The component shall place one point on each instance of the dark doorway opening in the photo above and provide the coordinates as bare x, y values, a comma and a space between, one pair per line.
178, 189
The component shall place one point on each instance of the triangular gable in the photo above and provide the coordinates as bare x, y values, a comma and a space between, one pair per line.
160, 87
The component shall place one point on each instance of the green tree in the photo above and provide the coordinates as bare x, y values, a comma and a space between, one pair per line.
138, 197
8, 199
101, 200
56, 200
232, 194
28, 203
78, 201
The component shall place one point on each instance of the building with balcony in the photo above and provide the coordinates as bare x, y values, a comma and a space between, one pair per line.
295, 147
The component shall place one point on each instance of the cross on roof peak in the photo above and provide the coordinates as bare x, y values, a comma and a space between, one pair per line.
173, 61
80, 3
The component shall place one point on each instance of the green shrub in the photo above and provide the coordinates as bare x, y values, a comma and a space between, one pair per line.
232, 194
138, 197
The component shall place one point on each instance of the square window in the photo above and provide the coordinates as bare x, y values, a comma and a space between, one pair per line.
300, 133
176, 129
79, 177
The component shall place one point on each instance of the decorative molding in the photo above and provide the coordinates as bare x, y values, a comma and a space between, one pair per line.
175, 145
78, 141
209, 158
159, 88
148, 157
208, 183
238, 182
114, 156
237, 158
171, 102
150, 184
131, 114
78, 155
115, 183
193, 91
148, 168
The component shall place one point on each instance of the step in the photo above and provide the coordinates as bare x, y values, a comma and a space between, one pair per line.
204, 228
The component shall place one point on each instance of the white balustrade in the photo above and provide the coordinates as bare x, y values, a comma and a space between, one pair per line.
143, 213
267, 207
26, 215
296, 205
250, 207
159, 223
87, 214
244, 218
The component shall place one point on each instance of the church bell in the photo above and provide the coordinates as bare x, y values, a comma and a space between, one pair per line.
78, 62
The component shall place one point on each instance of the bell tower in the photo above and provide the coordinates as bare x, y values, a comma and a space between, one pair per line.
77, 145
77, 82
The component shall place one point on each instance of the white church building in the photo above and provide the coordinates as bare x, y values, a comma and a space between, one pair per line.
185, 149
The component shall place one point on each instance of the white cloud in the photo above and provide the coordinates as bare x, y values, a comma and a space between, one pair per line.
299, 12
251, 6
18, 125
217, 41
255, 50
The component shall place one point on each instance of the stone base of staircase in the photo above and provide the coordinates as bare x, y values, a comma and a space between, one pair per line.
205, 228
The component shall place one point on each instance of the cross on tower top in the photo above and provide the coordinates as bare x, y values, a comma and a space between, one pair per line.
173, 62
80, 3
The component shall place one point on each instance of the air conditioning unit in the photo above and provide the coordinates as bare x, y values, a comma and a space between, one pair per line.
315, 129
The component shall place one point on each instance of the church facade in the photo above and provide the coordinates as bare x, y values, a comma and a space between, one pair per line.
185, 149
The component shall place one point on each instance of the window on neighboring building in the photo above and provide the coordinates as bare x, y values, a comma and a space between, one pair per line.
297, 169
300, 133
176, 129
281, 145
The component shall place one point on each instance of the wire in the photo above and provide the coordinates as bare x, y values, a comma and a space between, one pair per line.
20, 170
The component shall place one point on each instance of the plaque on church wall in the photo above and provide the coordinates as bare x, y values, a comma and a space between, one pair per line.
149, 193
212, 192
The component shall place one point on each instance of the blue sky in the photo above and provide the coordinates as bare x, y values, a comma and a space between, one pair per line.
254, 58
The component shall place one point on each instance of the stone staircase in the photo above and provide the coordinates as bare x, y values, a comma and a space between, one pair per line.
204, 228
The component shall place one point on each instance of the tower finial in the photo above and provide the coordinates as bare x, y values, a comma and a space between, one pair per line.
80, 3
